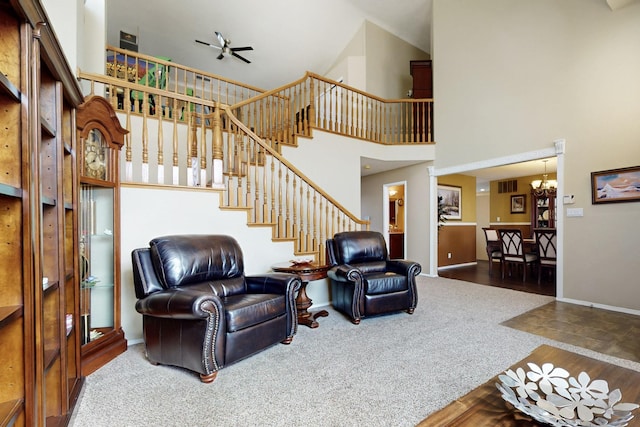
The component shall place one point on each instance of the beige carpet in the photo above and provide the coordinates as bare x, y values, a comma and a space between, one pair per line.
388, 371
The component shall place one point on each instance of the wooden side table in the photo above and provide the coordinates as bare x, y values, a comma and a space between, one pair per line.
308, 272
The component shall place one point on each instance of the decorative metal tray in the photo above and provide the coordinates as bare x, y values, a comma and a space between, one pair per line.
550, 395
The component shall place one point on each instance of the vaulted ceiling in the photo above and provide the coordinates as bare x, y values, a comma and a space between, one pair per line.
288, 37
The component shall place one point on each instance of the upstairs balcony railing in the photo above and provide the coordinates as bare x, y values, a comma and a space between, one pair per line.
315, 102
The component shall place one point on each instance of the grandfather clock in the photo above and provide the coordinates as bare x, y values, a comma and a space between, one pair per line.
100, 139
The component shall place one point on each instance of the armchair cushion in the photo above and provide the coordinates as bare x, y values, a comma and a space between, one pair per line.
243, 311
187, 259
384, 283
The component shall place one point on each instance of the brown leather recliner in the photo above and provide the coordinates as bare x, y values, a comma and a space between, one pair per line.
200, 311
364, 281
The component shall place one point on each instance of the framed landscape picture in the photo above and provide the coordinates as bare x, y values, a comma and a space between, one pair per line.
451, 198
615, 185
518, 203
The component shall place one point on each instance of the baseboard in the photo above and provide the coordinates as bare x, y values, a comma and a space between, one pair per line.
447, 267
602, 306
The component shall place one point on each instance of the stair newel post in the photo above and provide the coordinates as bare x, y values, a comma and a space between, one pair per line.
160, 113
294, 208
312, 105
192, 141
287, 206
203, 150
175, 169
145, 139
127, 138
217, 166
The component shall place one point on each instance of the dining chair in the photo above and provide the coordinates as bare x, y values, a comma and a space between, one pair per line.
546, 242
513, 251
493, 247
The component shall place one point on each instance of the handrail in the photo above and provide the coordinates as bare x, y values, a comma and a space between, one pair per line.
126, 65
290, 166
315, 102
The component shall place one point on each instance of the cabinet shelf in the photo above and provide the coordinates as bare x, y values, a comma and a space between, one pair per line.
47, 127
9, 190
50, 287
48, 201
9, 411
9, 88
50, 357
10, 313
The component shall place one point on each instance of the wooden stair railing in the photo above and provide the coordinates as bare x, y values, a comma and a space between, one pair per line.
314, 102
253, 175
273, 192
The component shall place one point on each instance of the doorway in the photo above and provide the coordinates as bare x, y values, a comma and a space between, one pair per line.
395, 218
556, 152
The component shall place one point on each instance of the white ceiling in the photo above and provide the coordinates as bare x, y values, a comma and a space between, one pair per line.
289, 37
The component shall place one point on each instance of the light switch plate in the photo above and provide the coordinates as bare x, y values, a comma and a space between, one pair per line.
575, 212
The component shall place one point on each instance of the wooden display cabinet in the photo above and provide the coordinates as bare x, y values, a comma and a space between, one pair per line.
543, 208
40, 376
100, 138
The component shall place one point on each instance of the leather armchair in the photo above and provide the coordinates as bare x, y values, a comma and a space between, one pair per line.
364, 281
200, 311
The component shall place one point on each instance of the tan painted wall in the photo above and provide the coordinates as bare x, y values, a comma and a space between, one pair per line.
468, 185
501, 202
522, 74
416, 205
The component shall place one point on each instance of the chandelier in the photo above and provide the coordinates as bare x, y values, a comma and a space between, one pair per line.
544, 186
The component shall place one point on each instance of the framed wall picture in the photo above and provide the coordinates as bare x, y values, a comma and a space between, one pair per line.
615, 185
518, 203
451, 199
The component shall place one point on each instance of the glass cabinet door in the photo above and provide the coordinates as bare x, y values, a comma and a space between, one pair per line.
101, 138
97, 261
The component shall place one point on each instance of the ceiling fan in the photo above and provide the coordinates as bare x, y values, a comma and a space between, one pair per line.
226, 49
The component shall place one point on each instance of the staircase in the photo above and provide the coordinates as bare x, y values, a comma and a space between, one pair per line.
190, 128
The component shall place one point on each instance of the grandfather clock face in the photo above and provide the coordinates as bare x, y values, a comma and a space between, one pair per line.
95, 155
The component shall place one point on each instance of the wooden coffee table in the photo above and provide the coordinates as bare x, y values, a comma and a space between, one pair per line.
483, 407
307, 272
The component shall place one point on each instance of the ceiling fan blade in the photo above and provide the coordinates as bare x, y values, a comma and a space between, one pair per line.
240, 57
238, 49
208, 44
221, 39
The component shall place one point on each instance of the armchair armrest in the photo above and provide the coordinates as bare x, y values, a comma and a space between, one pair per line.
273, 283
180, 304
404, 267
345, 273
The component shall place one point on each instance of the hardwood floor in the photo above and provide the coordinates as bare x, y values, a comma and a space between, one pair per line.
480, 274
604, 331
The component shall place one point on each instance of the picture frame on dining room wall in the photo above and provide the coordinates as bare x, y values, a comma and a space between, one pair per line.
518, 203
451, 197
615, 185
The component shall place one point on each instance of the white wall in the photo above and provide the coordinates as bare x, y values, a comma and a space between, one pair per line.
377, 62
512, 77
149, 212
63, 15
416, 207
333, 162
